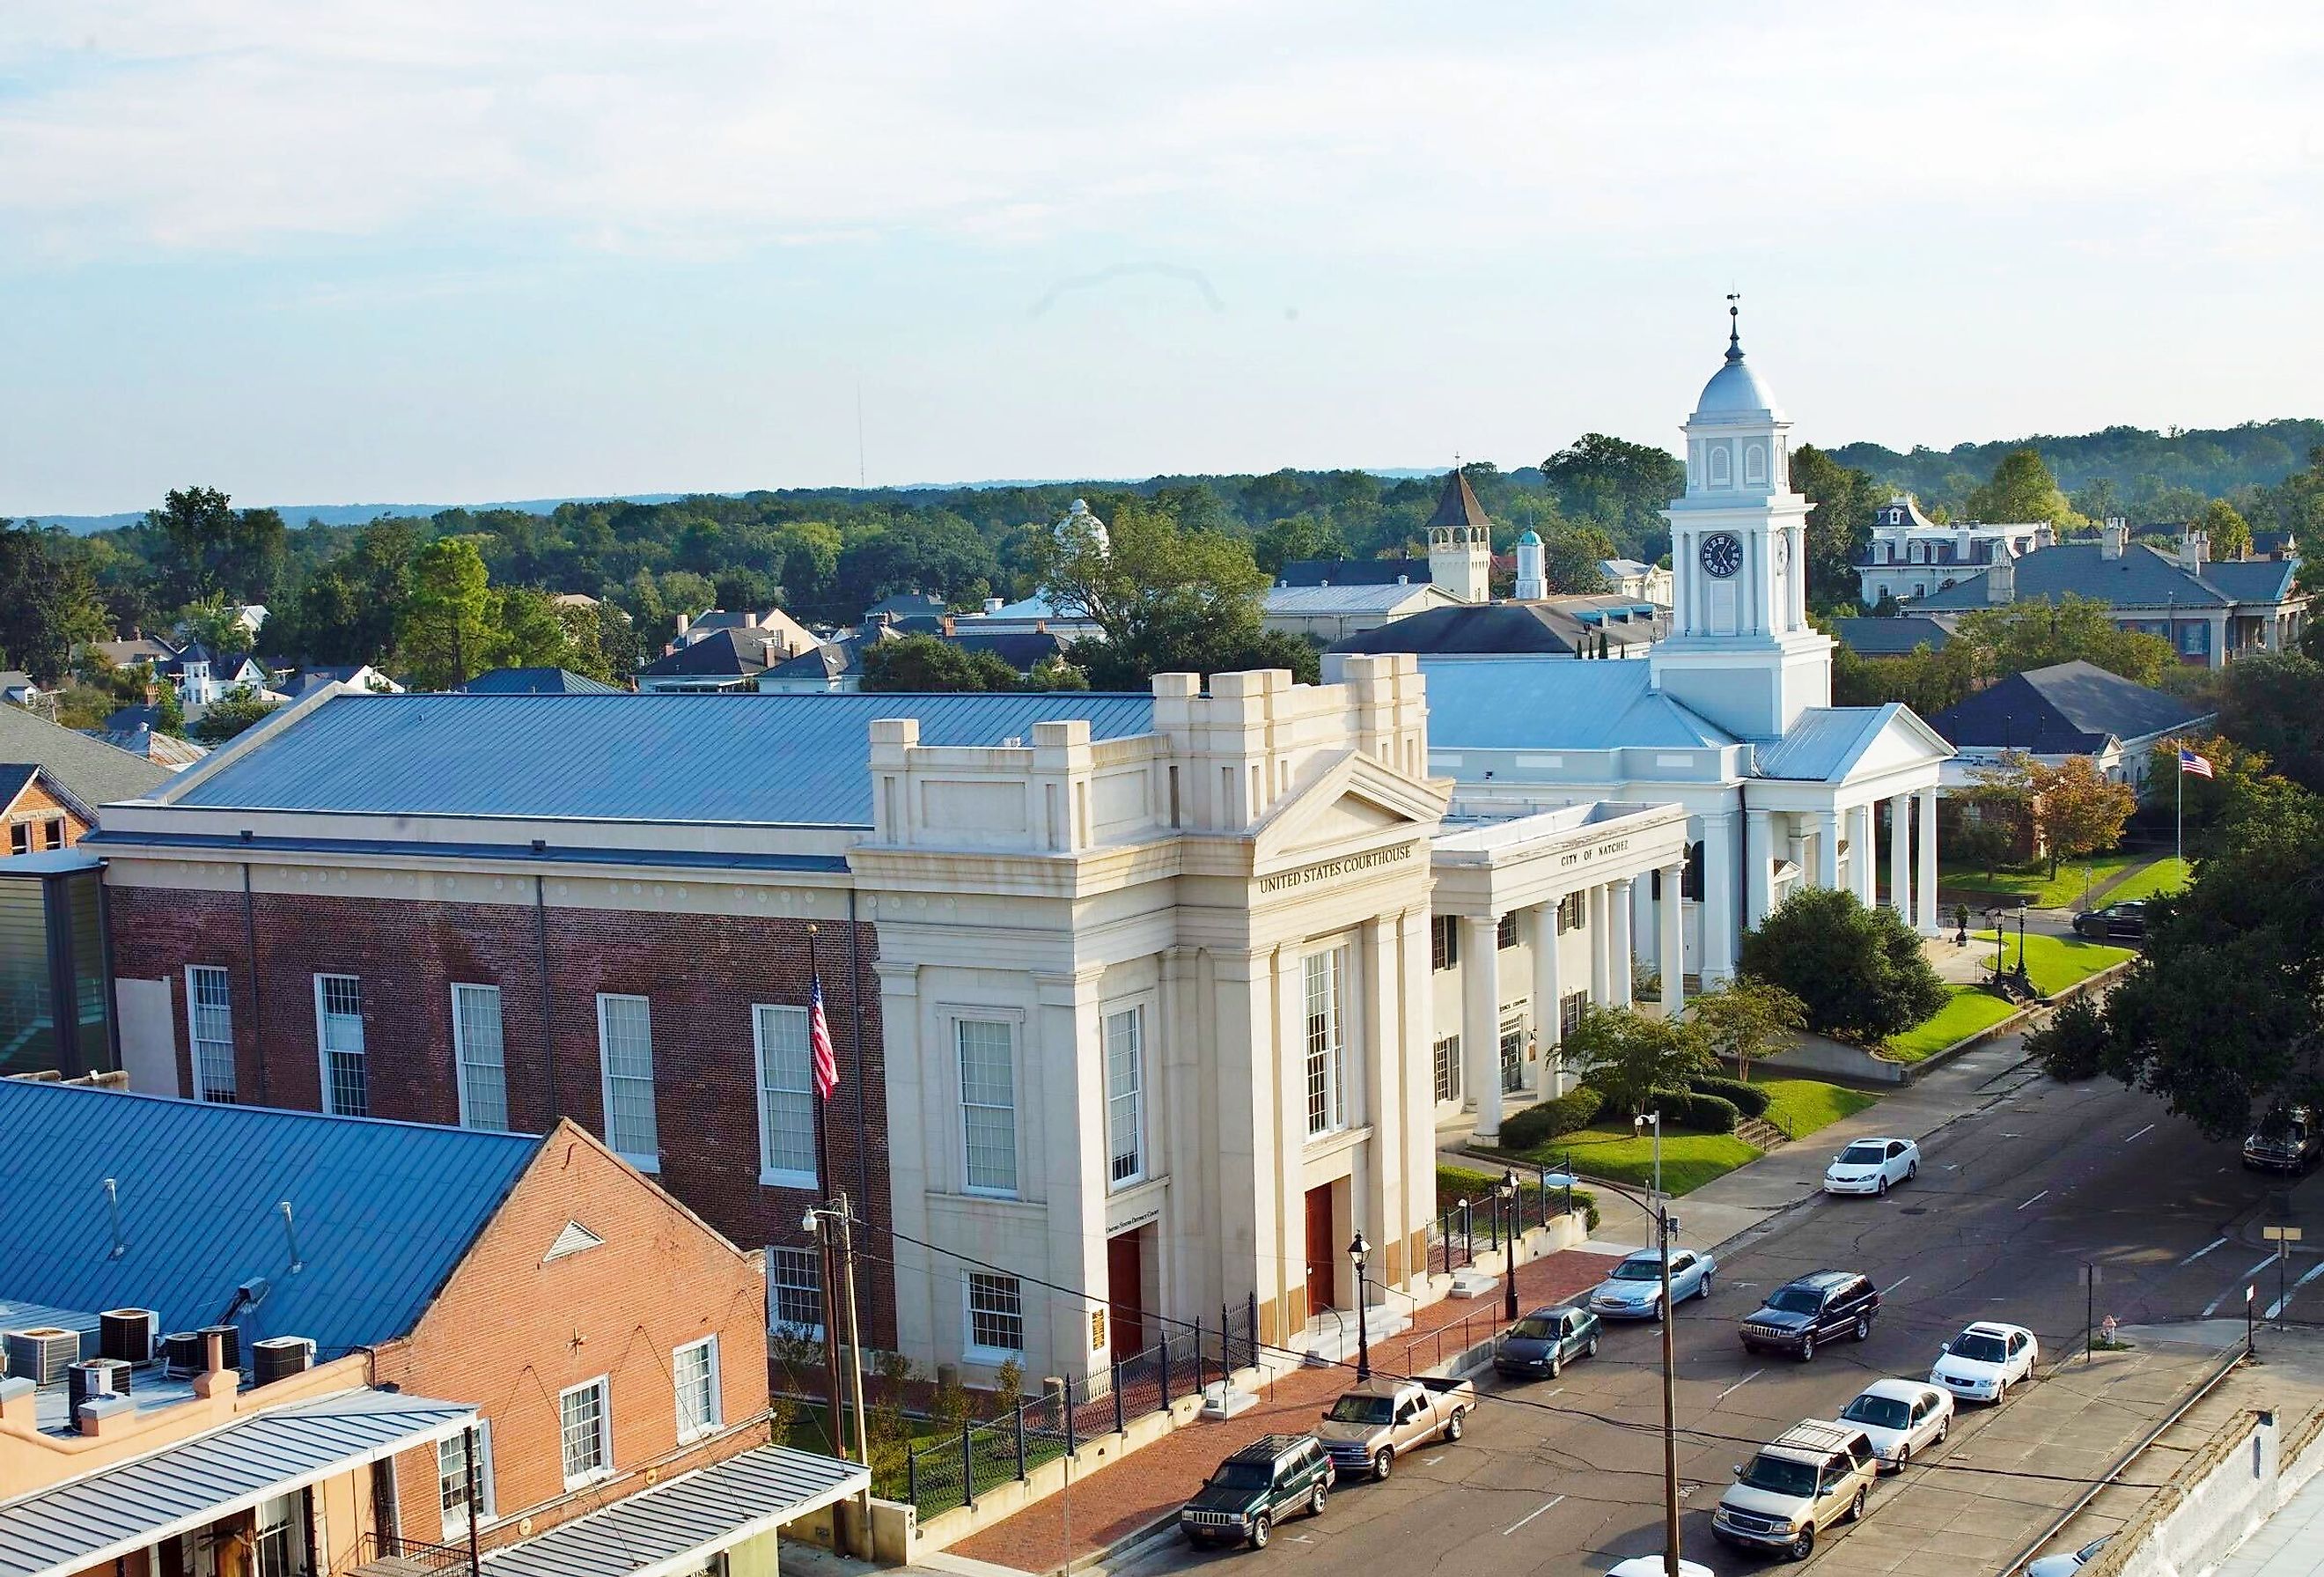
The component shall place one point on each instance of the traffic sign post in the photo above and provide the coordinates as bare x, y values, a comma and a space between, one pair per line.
2092, 1274
2284, 1238
2251, 1349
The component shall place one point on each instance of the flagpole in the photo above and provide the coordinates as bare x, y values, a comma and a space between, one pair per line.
836, 1431
2179, 829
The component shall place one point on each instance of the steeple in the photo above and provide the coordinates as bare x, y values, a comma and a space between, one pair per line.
1460, 542
1734, 326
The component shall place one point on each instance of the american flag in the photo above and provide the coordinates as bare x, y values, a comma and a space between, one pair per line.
2193, 764
818, 1040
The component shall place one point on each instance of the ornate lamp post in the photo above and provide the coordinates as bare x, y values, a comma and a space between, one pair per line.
1358, 1252
1507, 1190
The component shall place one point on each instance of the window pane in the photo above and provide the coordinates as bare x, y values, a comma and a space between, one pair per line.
581, 1417
996, 1313
795, 1276
988, 1090
340, 1026
1448, 1068
694, 1368
476, 1043
625, 1041
1125, 1092
1327, 1101
212, 1014
786, 1092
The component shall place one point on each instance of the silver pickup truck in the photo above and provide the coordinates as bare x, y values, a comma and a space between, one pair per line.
1369, 1426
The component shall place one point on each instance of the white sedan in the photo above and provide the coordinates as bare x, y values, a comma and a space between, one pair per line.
1985, 1361
2067, 1564
1900, 1416
1653, 1566
1872, 1166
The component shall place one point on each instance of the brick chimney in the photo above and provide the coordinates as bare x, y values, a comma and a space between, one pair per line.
2194, 548
947, 627
2113, 538
2001, 581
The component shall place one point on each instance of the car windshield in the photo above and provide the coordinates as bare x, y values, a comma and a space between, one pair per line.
1640, 1270
1797, 1300
1780, 1475
1536, 1327
1979, 1348
1243, 1476
1880, 1412
1362, 1410
1863, 1155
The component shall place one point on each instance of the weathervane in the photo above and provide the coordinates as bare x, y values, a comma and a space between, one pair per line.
1734, 326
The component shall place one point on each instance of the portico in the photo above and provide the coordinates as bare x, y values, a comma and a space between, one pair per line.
1534, 916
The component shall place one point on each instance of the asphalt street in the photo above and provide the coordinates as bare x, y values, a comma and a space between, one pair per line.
1565, 1477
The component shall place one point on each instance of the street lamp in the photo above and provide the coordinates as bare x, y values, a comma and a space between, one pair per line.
1637, 1125
1508, 1191
1358, 1252
1665, 1227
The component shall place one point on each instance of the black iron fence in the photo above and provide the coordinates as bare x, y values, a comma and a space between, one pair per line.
953, 1470
1463, 1226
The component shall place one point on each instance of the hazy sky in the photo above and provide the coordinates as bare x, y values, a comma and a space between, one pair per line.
422, 249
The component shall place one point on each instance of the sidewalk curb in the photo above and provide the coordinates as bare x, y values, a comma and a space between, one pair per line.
1915, 1072
1130, 1544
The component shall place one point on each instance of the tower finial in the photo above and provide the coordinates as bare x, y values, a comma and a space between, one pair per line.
1734, 326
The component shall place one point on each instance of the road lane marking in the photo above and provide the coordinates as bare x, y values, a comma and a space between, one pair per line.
2036, 1199
1430, 1461
2244, 1280
2198, 1254
2148, 1129
1529, 1515
1895, 1284
1739, 1385
2281, 1303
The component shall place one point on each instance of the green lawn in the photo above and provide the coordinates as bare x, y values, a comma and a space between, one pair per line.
2055, 962
1617, 1154
1970, 1011
2163, 876
1801, 1106
2035, 885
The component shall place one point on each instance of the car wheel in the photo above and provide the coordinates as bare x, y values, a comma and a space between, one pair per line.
1702, 1288
1856, 1507
1803, 1547
1456, 1424
1383, 1462
1261, 1526
1315, 1502
1912, 1170
1903, 1457
1943, 1429
1863, 1327
2000, 1392
1556, 1366
1807, 1348
1655, 1311
1883, 1189
1592, 1349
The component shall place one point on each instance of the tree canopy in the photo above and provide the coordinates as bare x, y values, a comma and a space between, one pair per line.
2021, 489
1859, 972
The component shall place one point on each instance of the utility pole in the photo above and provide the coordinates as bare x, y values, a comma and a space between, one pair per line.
1664, 1225
838, 1248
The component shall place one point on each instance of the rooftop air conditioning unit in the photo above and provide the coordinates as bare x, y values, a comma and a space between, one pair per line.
131, 1335
95, 1377
233, 1344
183, 1353
280, 1357
42, 1354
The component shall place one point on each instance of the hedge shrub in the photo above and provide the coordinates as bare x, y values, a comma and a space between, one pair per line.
1750, 1099
1537, 1125
1703, 1113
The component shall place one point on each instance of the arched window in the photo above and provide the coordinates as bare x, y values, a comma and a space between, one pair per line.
1755, 464
1722, 468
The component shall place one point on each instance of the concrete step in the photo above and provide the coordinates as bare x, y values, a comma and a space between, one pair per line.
1331, 1337
1759, 1131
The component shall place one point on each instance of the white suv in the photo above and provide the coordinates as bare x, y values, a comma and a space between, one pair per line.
1814, 1475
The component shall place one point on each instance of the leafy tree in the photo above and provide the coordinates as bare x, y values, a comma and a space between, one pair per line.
1572, 559
1927, 681
2237, 774
1745, 1019
2036, 634
230, 713
526, 630
1627, 1056
932, 551
2269, 703
1298, 537
2230, 534
450, 628
217, 624
45, 605
211, 549
2073, 1044
1057, 673
2022, 489
1619, 486
1859, 971
1842, 500
2077, 809
928, 664
168, 713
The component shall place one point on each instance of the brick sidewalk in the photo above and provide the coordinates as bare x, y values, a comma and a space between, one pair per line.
1107, 1503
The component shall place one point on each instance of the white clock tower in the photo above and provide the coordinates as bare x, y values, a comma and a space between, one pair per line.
1741, 651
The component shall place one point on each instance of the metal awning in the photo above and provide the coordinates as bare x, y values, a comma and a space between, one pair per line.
677, 1526
100, 1515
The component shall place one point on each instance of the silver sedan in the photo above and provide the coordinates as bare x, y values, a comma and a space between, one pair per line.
1635, 1290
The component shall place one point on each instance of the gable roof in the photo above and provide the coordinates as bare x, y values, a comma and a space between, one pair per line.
137, 649
1823, 742
751, 759
382, 1211
2254, 580
1551, 628
1409, 570
13, 777
2069, 708
1457, 505
2143, 577
1311, 601
1531, 703
537, 681
1893, 636
88, 770
904, 605
723, 654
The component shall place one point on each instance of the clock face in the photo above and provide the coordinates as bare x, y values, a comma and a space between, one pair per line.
1723, 553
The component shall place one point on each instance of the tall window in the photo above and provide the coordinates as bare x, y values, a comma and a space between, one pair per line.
625, 1047
996, 1315
795, 1291
584, 1429
1443, 942
988, 1105
19, 837
1572, 913
1569, 1013
1504, 934
1125, 1094
340, 1028
1327, 1106
1448, 1068
452, 1479
694, 1368
786, 1097
476, 1048
278, 1544
209, 1022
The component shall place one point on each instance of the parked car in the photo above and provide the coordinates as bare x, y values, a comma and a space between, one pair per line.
1369, 1428
1257, 1487
1814, 1475
2116, 921
1820, 1306
1986, 1360
2070, 1563
1872, 1166
1635, 1290
1901, 1416
1541, 1344
2286, 1140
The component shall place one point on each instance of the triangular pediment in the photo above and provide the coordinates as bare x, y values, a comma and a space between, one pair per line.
1354, 796
572, 1239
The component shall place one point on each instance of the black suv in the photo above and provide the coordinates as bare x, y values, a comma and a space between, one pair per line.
1818, 1307
1257, 1487
2116, 921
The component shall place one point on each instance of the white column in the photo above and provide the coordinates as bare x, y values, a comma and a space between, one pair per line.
1900, 855
1480, 1019
1718, 961
1759, 879
1599, 924
1623, 967
1865, 863
1926, 888
1643, 940
1673, 941
1828, 848
1548, 996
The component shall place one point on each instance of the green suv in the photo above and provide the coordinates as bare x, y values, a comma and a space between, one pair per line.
1257, 1487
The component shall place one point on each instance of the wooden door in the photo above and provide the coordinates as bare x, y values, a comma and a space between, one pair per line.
1125, 1283
1323, 1255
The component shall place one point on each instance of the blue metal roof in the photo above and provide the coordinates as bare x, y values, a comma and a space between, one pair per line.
1536, 703
1822, 743
749, 759
382, 1211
